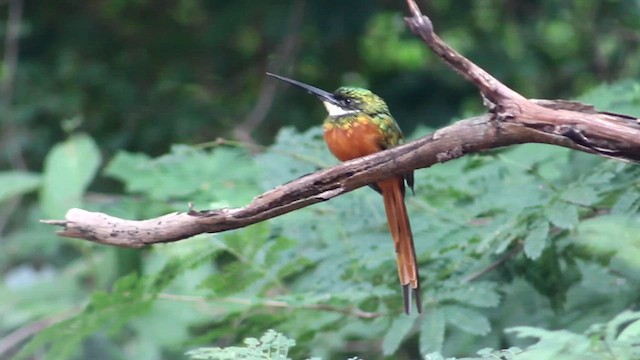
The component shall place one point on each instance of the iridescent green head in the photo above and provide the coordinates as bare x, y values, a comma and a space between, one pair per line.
345, 100
349, 100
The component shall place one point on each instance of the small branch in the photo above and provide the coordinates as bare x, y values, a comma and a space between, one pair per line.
352, 311
512, 119
21, 334
489, 86
494, 265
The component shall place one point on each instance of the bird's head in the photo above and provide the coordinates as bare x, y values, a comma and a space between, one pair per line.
345, 100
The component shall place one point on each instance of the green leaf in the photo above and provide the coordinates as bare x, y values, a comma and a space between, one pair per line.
271, 346
580, 194
561, 344
432, 331
621, 97
221, 175
536, 239
68, 170
106, 312
631, 332
467, 319
562, 215
629, 201
613, 235
505, 354
294, 154
14, 183
477, 293
399, 329
622, 321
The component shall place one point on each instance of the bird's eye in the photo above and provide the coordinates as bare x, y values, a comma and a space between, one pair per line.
347, 101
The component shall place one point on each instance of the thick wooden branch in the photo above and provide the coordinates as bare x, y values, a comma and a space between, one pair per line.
512, 119
608, 134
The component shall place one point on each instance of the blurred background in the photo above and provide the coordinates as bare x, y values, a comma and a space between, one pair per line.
143, 75
95, 95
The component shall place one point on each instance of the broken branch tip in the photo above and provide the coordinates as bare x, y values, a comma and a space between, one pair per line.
54, 222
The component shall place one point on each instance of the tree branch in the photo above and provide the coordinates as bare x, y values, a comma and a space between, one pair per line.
512, 119
349, 311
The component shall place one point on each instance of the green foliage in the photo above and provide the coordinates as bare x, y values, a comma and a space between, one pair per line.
131, 297
467, 319
141, 79
432, 331
616, 237
271, 346
535, 238
617, 339
399, 329
622, 97
385, 47
110, 311
187, 173
68, 169
15, 183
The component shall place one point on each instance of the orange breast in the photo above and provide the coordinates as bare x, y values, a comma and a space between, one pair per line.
358, 139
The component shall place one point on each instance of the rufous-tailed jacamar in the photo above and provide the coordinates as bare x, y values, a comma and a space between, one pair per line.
359, 124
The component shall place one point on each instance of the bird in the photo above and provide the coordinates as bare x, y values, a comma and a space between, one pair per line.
359, 124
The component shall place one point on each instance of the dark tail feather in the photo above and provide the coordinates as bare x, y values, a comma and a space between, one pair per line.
406, 295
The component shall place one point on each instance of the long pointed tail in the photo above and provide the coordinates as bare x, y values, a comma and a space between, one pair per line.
398, 220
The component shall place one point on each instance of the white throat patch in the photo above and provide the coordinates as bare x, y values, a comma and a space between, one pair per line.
335, 110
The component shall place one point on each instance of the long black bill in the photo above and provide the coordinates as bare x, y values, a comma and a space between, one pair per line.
323, 95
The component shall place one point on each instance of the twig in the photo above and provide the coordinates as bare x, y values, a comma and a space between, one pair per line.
352, 311
489, 86
494, 265
19, 335
512, 119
